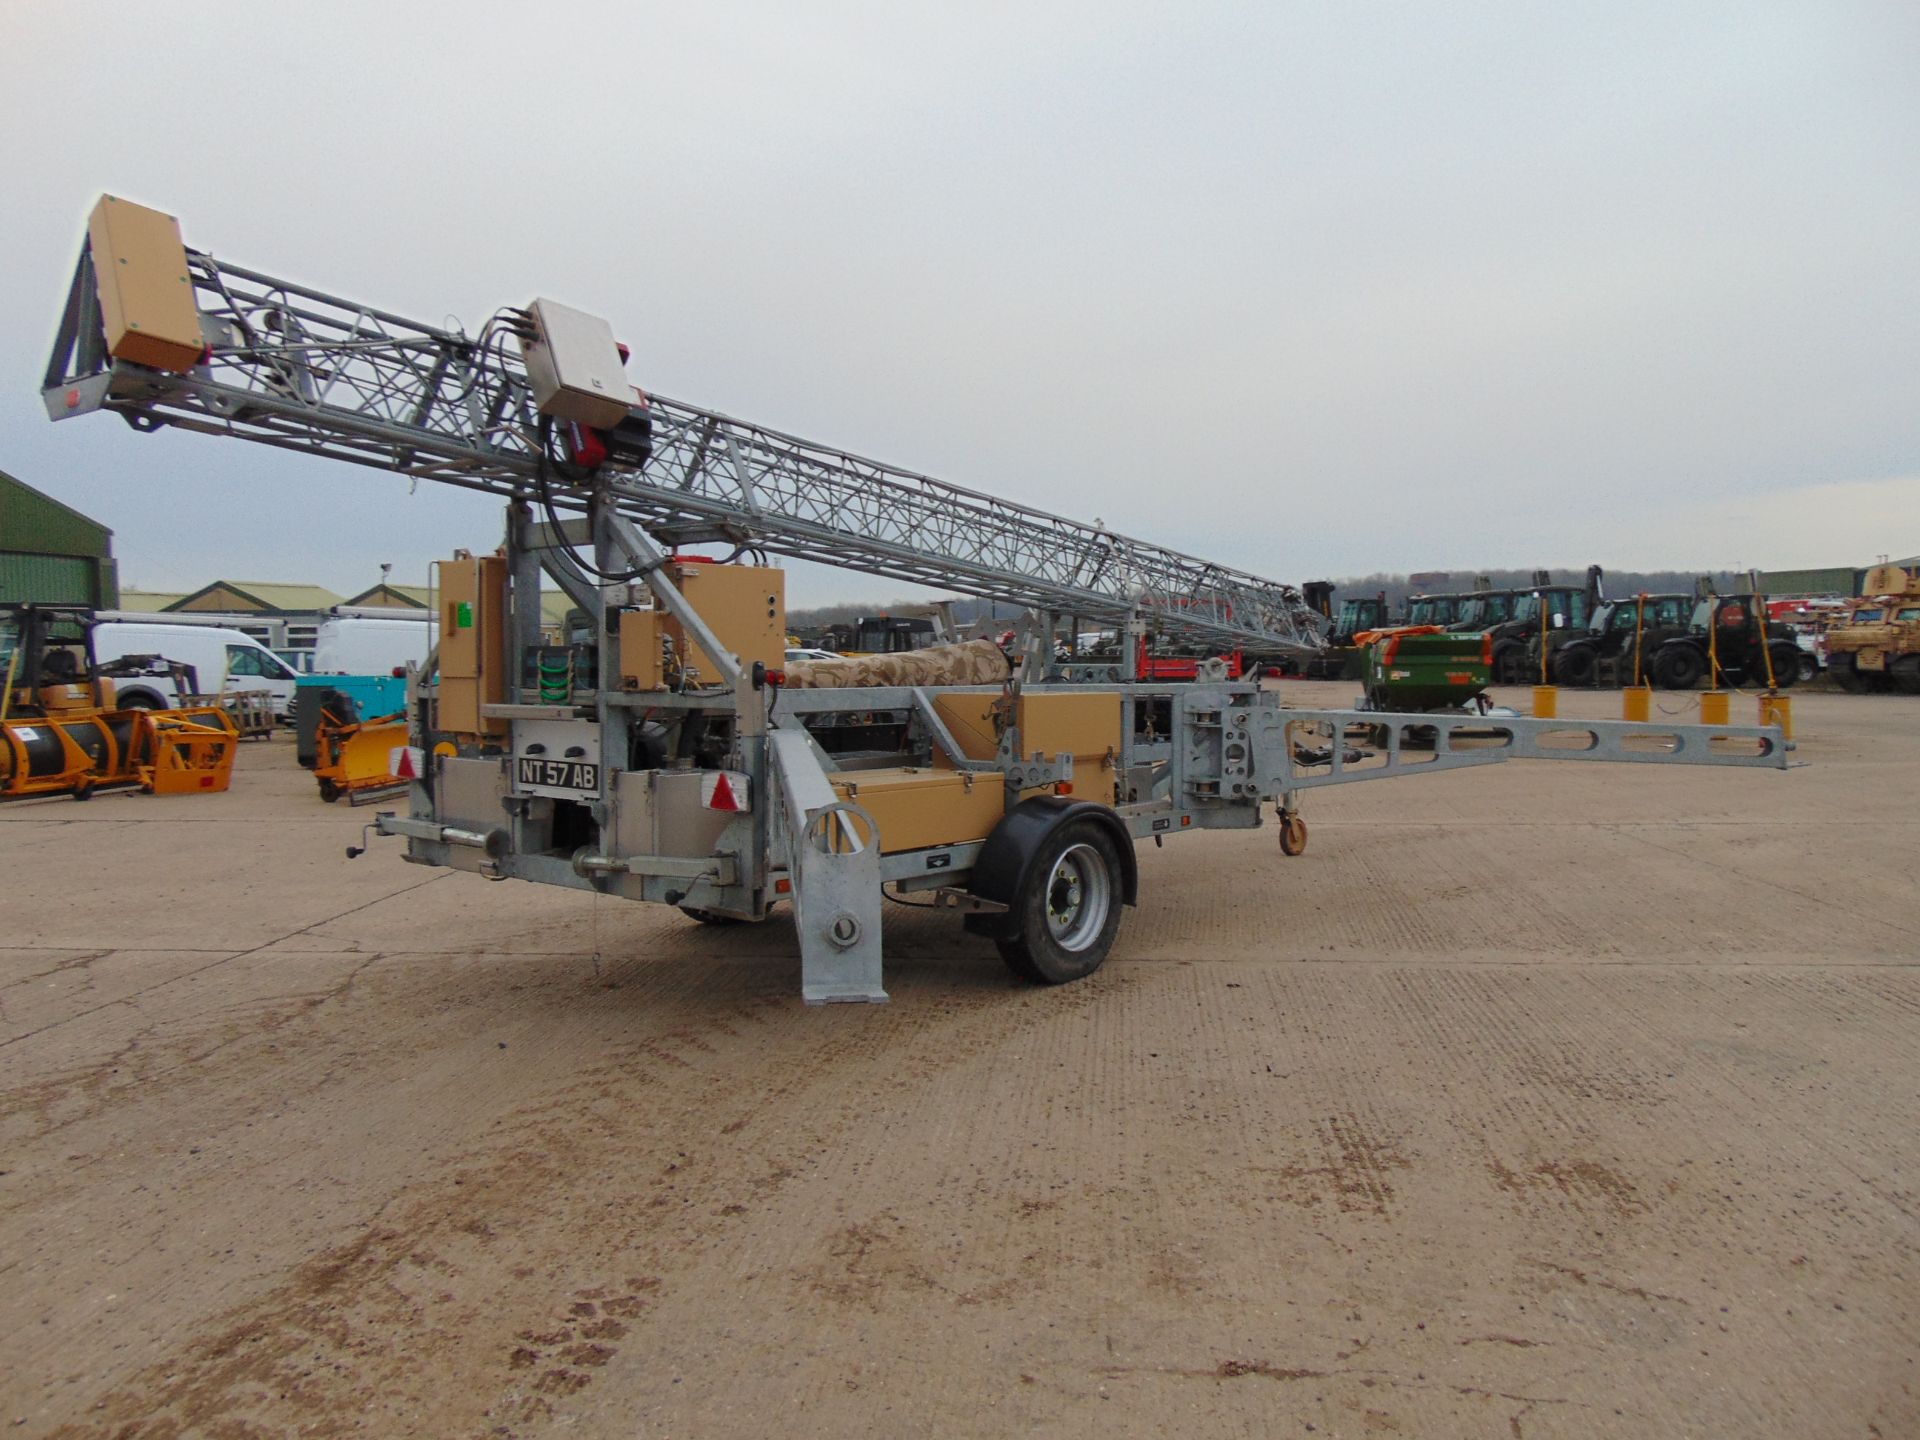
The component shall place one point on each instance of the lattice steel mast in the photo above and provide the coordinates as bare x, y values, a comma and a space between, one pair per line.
291, 366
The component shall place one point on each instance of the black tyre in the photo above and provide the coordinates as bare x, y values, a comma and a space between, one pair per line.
1905, 673
1510, 664
1807, 667
710, 917
138, 700
329, 791
1677, 668
1786, 659
1069, 907
1840, 670
1576, 665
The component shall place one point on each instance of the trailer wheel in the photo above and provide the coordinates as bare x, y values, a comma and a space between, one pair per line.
1069, 910
1293, 835
329, 791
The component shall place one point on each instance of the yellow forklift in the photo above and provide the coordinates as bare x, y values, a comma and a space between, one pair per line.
61, 732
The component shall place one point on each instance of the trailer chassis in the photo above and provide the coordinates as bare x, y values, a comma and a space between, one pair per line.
1189, 757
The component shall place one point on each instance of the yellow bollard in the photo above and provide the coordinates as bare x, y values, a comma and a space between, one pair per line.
1713, 707
1636, 703
1778, 710
1546, 701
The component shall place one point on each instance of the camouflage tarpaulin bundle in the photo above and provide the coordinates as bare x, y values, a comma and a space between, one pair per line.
975, 662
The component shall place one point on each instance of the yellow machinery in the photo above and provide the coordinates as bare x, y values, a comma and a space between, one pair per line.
61, 734
184, 752
356, 757
165, 752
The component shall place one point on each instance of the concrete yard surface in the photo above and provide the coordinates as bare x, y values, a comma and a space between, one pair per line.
1533, 1100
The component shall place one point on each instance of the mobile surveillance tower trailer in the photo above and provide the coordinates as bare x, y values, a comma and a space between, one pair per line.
665, 760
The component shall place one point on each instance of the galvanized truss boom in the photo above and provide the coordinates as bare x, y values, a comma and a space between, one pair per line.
291, 366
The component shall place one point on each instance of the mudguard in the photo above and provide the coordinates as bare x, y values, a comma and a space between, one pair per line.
1009, 854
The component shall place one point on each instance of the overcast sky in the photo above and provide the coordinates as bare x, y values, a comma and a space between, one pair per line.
1314, 289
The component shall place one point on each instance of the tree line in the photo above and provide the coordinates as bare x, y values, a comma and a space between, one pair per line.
1398, 588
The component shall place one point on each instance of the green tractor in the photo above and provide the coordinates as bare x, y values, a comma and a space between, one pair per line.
1620, 641
1341, 659
1560, 613
1730, 632
1484, 608
1441, 610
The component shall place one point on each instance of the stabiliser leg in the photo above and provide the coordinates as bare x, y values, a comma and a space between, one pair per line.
833, 859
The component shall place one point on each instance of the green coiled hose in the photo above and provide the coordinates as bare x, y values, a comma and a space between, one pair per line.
556, 678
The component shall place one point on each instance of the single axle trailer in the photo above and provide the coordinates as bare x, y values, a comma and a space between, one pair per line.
1020, 807
664, 758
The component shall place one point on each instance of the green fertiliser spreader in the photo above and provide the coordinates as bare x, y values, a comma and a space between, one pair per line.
1422, 667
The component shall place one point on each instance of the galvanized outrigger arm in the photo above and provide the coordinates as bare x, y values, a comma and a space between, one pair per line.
294, 367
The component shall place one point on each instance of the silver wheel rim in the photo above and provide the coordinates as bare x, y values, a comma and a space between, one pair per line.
1078, 897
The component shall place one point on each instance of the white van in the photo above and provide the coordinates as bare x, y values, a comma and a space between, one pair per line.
351, 644
221, 658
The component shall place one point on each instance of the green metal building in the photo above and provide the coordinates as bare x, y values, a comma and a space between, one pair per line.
1843, 580
51, 553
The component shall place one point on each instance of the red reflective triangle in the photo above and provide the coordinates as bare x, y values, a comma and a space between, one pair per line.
723, 797
404, 770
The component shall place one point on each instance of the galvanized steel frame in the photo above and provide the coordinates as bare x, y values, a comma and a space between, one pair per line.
297, 368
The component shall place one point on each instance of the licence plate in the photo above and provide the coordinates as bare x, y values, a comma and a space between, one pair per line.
560, 774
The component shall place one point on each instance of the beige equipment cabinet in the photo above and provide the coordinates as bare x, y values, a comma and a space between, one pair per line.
574, 366
473, 636
744, 605
1083, 725
641, 663
920, 807
145, 289
917, 807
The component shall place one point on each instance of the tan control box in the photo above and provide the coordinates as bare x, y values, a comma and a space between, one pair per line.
916, 808
744, 605
1085, 726
574, 366
473, 642
969, 718
146, 292
641, 665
